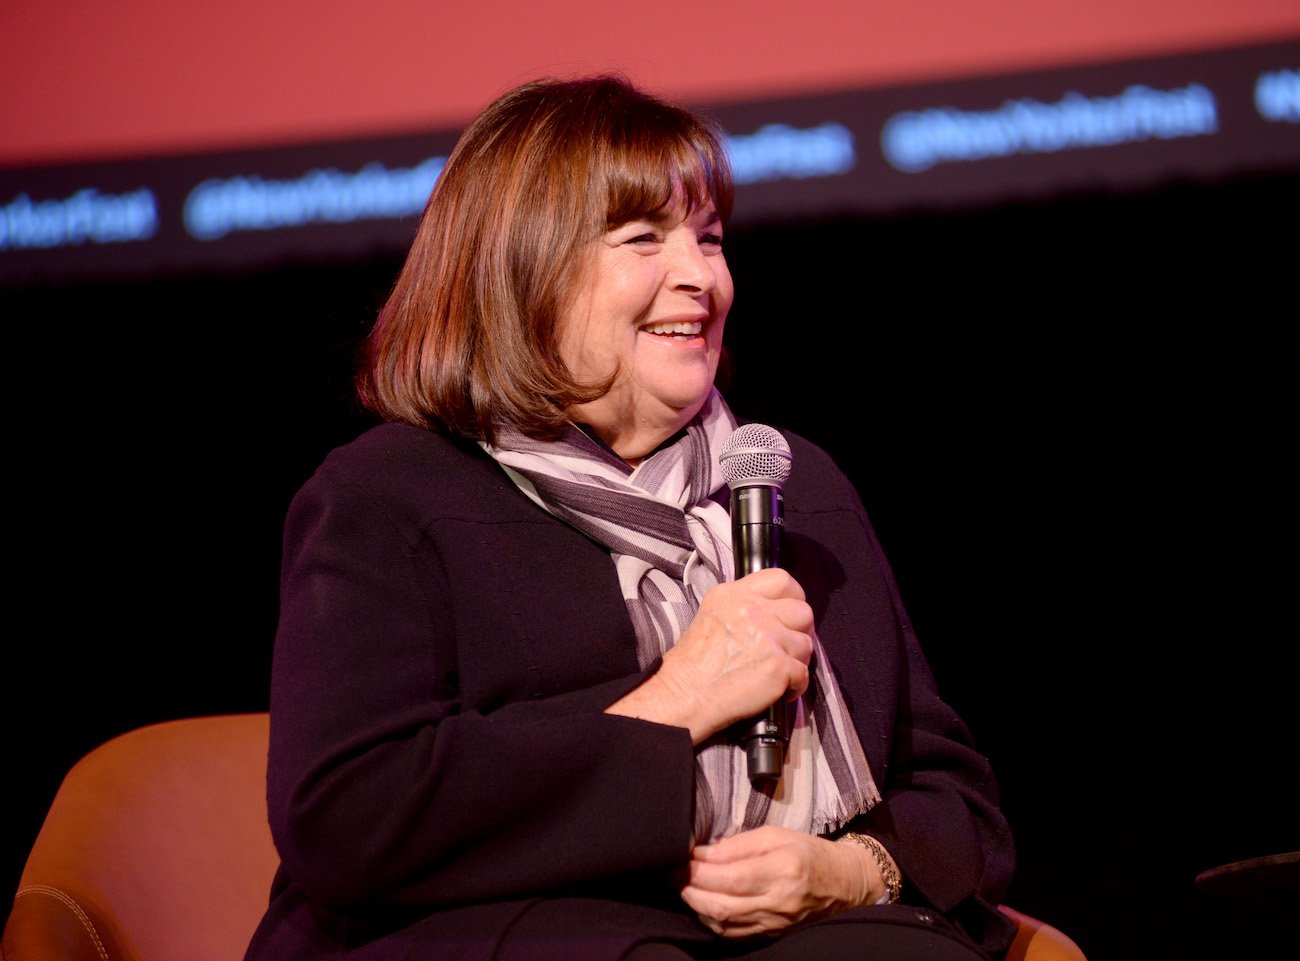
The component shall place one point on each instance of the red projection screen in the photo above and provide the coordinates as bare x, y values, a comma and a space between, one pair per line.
141, 135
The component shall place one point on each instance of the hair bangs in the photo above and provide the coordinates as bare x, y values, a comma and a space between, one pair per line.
645, 178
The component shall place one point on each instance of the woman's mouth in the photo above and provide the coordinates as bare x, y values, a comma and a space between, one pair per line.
681, 328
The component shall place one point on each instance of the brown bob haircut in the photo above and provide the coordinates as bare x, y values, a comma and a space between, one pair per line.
467, 339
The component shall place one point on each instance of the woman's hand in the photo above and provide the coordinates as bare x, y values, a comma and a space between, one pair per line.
747, 648
769, 879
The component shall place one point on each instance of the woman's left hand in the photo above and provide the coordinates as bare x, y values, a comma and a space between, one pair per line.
772, 878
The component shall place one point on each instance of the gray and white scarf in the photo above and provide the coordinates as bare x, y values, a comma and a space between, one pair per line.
669, 533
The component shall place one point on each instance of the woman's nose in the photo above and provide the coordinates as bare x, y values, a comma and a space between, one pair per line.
690, 268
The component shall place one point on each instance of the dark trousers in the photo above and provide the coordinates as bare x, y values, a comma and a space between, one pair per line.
897, 934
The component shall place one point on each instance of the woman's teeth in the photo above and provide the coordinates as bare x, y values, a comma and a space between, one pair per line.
690, 329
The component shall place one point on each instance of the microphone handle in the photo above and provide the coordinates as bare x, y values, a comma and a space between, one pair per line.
757, 520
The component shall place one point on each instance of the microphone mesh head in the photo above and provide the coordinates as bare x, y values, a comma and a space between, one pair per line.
755, 454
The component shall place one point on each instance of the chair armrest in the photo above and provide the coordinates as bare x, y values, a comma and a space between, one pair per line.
1038, 941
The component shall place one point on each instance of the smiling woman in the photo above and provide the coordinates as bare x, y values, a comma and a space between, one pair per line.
513, 648
650, 322
525, 248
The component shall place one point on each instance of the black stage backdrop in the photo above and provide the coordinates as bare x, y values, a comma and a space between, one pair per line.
1072, 423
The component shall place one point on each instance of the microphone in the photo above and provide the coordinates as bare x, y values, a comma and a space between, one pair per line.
756, 464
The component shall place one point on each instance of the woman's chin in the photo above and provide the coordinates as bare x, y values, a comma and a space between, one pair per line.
686, 390
683, 401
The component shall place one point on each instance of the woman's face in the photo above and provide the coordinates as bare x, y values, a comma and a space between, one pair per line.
653, 305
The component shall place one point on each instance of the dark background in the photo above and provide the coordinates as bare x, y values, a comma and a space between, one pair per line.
1071, 422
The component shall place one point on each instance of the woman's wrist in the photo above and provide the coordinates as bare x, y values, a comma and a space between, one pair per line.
657, 701
890, 879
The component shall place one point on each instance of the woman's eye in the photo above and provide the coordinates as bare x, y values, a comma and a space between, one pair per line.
643, 239
711, 240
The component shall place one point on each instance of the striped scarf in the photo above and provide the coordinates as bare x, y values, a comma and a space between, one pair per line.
669, 533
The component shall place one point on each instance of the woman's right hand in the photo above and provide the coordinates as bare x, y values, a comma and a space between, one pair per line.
747, 648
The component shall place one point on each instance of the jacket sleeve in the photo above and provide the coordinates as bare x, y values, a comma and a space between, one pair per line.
386, 789
939, 813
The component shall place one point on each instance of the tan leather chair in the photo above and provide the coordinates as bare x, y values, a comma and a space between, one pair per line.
1039, 941
156, 848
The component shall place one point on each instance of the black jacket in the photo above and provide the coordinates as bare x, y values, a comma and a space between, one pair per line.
443, 782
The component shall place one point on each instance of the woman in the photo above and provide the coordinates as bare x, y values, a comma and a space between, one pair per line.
511, 653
